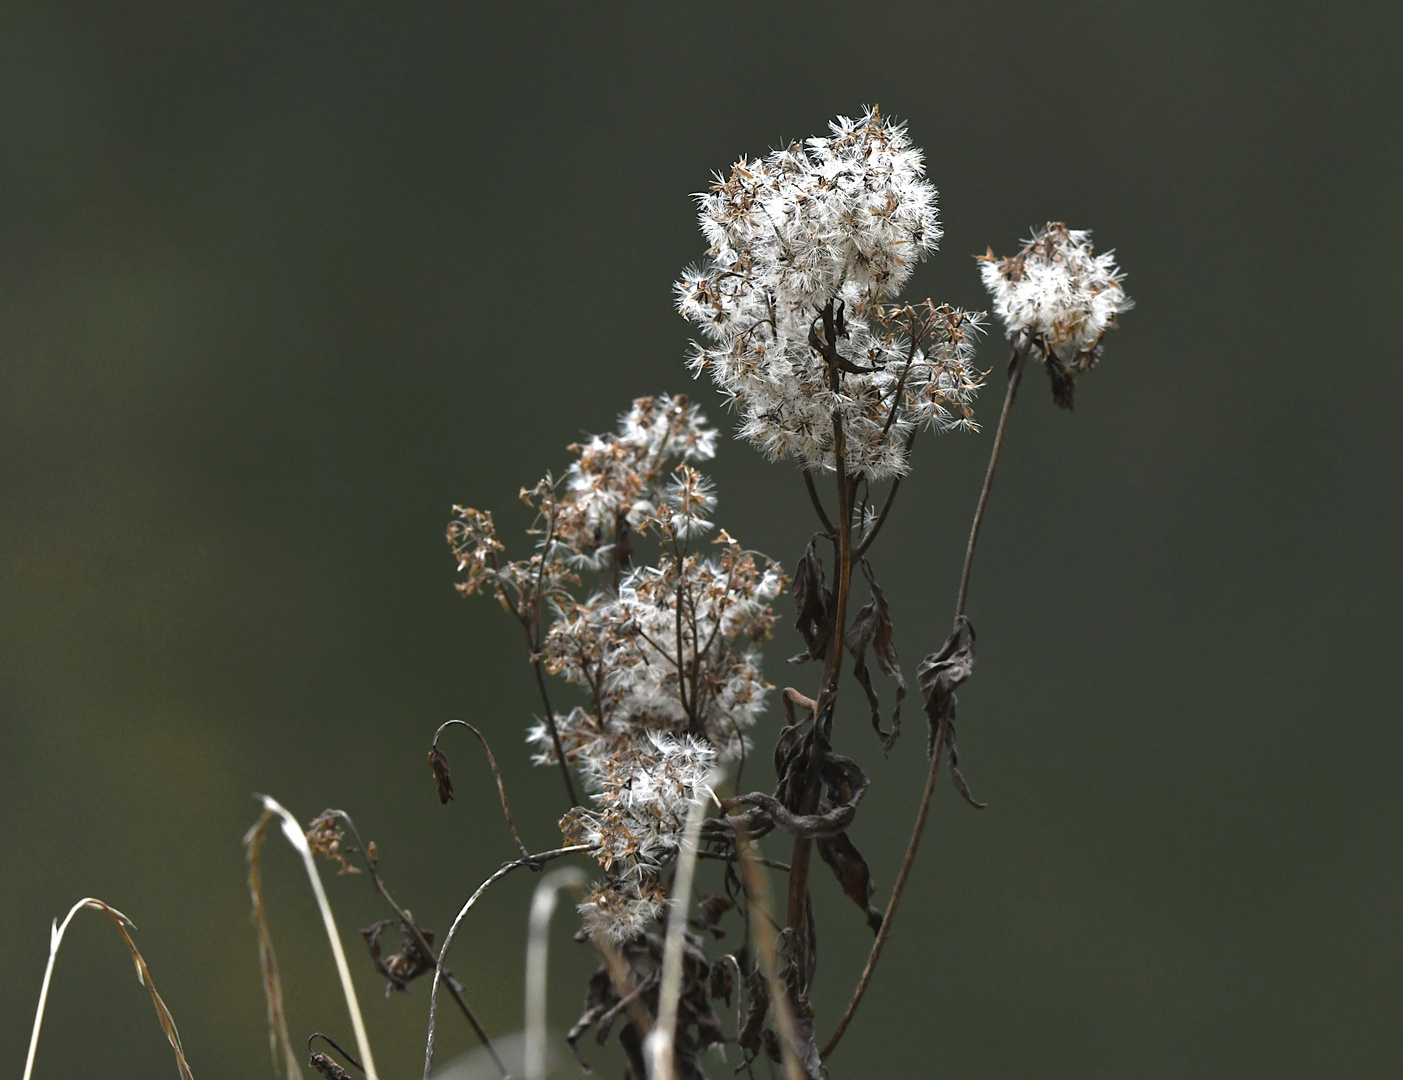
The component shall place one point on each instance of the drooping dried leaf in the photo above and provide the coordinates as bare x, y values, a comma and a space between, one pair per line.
327, 1067
840, 853
438, 761
709, 912
957, 777
722, 981
872, 626
598, 995
402, 967
938, 676
814, 605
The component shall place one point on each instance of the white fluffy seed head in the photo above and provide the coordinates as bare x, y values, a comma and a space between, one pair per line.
840, 219
1057, 291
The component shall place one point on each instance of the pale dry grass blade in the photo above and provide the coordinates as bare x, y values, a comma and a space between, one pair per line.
279, 1041
292, 830
543, 903
124, 925
763, 931
664, 1033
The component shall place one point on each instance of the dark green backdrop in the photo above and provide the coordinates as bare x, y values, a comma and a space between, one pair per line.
280, 283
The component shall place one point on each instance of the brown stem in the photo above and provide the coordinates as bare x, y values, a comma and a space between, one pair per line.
1015, 375
1016, 365
554, 731
818, 503
906, 863
492, 761
866, 541
798, 897
411, 927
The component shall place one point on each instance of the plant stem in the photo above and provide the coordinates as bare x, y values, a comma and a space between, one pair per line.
292, 830
554, 731
798, 896
818, 503
763, 932
906, 863
664, 1034
1020, 359
412, 928
535, 862
1015, 376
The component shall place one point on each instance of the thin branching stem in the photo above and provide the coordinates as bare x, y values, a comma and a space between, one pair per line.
798, 894
496, 775
907, 862
535, 862
412, 928
876, 527
818, 503
554, 730
1019, 360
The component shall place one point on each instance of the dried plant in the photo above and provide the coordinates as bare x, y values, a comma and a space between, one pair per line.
650, 620
143, 976
797, 299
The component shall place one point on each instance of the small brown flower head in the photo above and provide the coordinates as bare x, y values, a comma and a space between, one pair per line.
326, 837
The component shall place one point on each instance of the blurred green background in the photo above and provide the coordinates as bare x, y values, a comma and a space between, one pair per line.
281, 283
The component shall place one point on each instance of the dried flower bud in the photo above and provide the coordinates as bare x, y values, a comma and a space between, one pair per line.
438, 762
326, 837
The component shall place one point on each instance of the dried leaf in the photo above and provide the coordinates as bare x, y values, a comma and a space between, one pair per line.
814, 604
328, 1068
938, 676
722, 980
438, 761
402, 967
847, 862
872, 626
709, 912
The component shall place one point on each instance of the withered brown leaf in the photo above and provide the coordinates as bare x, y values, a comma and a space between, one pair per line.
872, 626
840, 853
814, 603
938, 676
438, 761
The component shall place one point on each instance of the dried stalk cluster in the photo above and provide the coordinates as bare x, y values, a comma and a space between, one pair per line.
649, 619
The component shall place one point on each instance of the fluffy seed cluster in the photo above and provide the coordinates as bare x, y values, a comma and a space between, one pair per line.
665, 653
1057, 294
840, 220
636, 825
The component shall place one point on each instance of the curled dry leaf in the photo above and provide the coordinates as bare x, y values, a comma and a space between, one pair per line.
840, 853
872, 626
938, 676
443, 778
327, 1067
402, 967
813, 602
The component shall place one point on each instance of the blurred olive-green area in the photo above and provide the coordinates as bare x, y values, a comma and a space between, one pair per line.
279, 284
